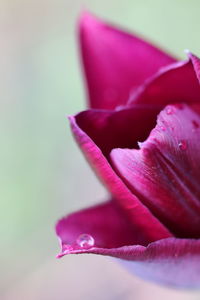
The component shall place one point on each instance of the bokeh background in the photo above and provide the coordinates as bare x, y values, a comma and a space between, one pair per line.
43, 173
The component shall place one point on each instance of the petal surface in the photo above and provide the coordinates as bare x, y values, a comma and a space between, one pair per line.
115, 62
122, 128
106, 223
162, 261
173, 262
165, 173
139, 215
172, 84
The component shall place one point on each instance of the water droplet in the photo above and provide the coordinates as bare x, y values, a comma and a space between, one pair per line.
162, 128
182, 145
195, 124
169, 110
85, 240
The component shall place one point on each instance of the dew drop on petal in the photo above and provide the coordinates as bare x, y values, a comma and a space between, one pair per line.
182, 145
162, 128
195, 124
169, 110
85, 240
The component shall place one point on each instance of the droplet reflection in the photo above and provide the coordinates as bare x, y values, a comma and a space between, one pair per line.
182, 145
169, 110
85, 241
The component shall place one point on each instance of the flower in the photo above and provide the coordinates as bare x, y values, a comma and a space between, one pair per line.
142, 137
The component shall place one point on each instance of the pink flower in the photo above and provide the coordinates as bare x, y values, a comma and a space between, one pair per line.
142, 137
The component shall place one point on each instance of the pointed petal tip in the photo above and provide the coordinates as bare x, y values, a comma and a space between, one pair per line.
58, 256
187, 51
69, 117
191, 55
73, 248
196, 64
88, 20
64, 252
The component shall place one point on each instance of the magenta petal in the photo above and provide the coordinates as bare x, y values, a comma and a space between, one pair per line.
172, 84
106, 128
172, 261
139, 215
196, 64
165, 173
169, 261
115, 62
106, 225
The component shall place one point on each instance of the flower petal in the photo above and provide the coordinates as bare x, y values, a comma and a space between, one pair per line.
172, 261
105, 223
196, 64
106, 128
162, 261
115, 62
172, 84
140, 216
165, 173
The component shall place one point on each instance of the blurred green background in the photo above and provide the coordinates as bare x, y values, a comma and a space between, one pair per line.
43, 174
